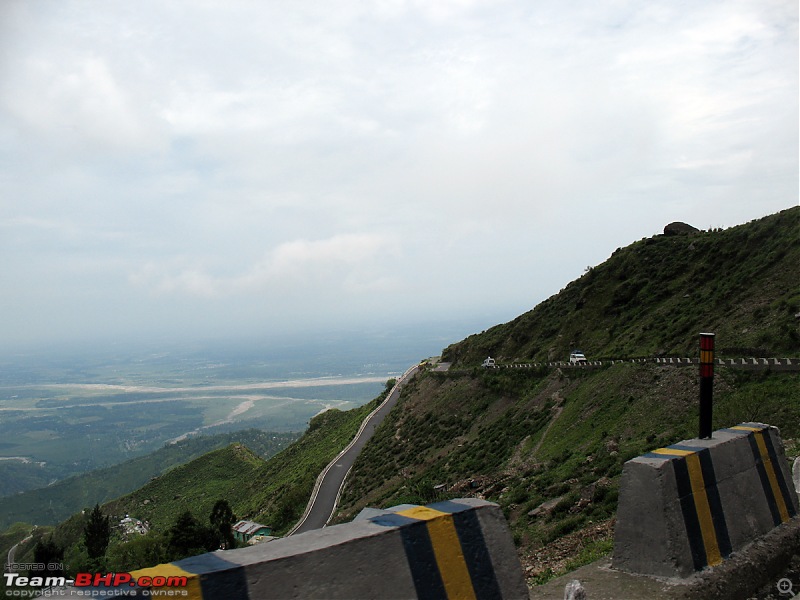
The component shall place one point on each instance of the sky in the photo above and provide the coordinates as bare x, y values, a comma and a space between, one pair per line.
200, 168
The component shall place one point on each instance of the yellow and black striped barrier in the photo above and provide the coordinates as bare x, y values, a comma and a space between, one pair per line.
446, 552
690, 505
776, 481
206, 576
701, 506
455, 550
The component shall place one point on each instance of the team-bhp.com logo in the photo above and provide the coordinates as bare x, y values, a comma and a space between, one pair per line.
158, 585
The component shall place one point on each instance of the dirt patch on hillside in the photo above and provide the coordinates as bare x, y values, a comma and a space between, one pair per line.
560, 555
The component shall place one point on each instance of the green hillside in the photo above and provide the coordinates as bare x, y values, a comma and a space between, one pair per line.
654, 296
523, 438
273, 492
195, 486
548, 444
52, 504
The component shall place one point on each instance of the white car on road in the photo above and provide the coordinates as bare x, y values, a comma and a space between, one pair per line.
577, 357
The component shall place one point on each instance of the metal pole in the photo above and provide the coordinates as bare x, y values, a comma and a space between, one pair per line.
706, 383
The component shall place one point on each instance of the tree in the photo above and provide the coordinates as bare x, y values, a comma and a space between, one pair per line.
51, 555
97, 533
138, 553
222, 520
290, 508
189, 537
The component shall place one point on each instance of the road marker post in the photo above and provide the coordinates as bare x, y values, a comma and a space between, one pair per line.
706, 384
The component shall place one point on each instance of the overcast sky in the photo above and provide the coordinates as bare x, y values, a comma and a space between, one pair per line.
199, 168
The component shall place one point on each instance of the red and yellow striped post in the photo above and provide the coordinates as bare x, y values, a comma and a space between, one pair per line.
706, 383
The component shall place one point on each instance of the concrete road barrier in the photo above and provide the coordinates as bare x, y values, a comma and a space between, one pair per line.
692, 504
455, 549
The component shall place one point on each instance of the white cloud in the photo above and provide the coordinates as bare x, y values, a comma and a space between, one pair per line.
346, 249
76, 101
352, 158
347, 263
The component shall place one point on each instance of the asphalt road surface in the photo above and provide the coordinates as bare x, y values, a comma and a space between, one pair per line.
324, 501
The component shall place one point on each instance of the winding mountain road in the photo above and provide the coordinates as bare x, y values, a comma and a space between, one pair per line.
9, 566
328, 487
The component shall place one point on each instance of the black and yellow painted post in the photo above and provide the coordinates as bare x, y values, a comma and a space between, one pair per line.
706, 383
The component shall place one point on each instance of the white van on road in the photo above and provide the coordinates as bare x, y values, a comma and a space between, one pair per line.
576, 357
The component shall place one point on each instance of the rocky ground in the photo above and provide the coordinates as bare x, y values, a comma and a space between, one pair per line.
772, 591
559, 555
773, 559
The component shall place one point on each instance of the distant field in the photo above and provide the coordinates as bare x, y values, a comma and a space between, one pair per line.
53, 431
81, 407
62, 416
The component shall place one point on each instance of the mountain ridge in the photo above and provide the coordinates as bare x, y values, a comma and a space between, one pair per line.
652, 296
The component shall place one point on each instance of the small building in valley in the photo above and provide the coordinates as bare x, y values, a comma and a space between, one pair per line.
243, 531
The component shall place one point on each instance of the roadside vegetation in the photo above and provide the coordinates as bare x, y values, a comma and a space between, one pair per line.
549, 446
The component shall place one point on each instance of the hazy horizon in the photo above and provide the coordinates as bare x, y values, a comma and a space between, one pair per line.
399, 347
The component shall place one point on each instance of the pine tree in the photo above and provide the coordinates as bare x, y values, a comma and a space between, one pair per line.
188, 537
97, 533
51, 555
222, 520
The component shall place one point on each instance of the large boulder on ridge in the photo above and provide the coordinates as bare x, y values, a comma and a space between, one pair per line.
678, 228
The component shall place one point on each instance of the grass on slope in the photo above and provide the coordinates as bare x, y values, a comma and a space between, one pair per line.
549, 445
12, 535
195, 486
